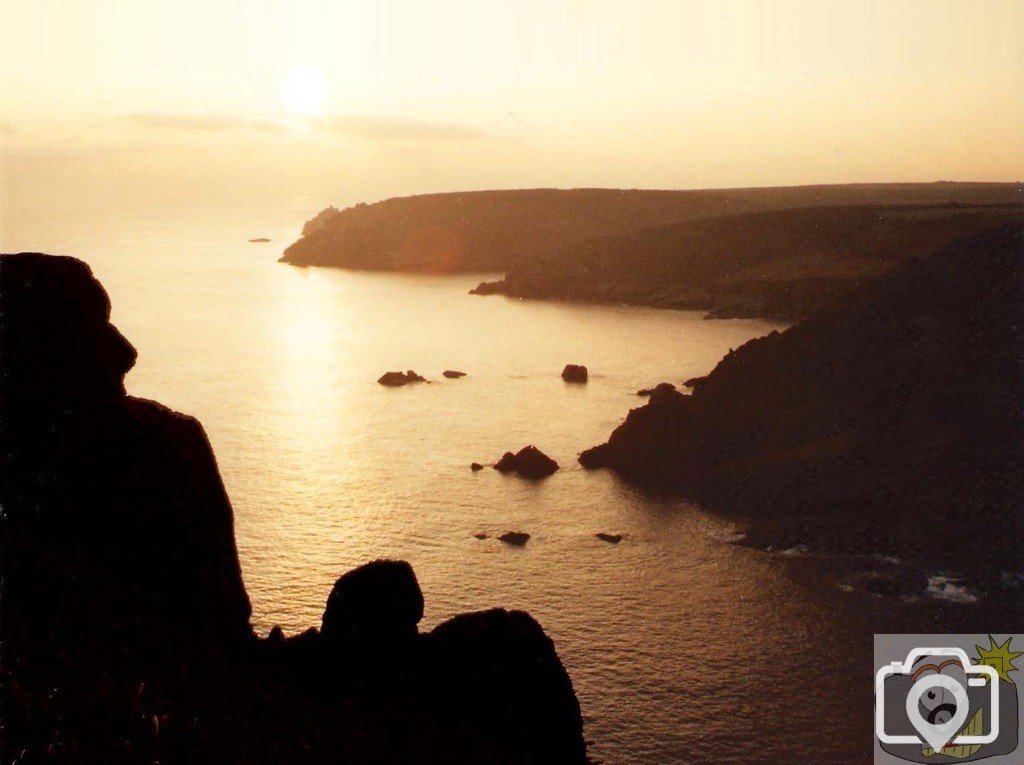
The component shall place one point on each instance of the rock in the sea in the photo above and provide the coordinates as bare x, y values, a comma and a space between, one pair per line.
453, 374
575, 373
529, 462
660, 386
397, 379
259, 239
480, 534
379, 601
611, 538
489, 288
515, 538
476, 466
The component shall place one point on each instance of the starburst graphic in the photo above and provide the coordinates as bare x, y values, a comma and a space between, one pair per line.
999, 657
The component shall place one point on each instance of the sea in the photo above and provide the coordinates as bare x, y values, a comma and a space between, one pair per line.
682, 645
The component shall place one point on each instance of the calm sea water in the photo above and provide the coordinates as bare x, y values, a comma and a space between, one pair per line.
682, 647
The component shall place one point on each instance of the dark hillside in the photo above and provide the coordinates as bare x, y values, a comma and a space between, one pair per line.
891, 423
783, 264
488, 231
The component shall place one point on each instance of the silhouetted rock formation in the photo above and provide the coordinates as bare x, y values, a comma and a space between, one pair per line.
398, 379
379, 602
515, 538
125, 633
889, 424
472, 652
453, 374
475, 466
575, 373
529, 462
492, 231
610, 538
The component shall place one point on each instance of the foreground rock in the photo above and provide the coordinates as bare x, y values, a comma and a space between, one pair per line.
398, 379
126, 634
515, 538
857, 428
575, 373
529, 462
380, 601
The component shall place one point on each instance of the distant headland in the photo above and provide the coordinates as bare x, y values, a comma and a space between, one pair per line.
767, 252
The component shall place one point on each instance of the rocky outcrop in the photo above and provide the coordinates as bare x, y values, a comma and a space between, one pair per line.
660, 386
610, 538
125, 630
398, 379
515, 538
529, 462
575, 373
453, 374
863, 425
377, 603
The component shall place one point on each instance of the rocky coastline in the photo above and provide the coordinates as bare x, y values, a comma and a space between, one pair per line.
126, 634
886, 425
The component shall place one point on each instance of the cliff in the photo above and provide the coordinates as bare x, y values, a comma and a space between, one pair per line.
890, 423
491, 231
781, 264
125, 634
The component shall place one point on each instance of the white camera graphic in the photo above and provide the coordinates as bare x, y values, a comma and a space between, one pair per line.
938, 733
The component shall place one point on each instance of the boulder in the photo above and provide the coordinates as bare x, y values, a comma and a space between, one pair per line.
379, 601
453, 374
575, 373
610, 538
515, 538
398, 379
529, 462
498, 674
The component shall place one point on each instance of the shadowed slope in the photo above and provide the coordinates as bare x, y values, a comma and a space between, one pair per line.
890, 423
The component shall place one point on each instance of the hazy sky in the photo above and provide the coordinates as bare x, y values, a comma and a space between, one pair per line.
182, 97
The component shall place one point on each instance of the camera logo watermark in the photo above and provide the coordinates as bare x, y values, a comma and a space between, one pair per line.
946, 698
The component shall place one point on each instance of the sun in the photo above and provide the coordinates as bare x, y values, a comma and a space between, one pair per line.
302, 91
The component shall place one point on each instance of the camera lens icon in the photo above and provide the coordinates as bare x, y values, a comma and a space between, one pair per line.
937, 708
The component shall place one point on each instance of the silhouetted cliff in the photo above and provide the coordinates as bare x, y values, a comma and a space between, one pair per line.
890, 423
125, 631
489, 231
781, 264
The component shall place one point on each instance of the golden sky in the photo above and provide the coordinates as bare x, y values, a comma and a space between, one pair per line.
430, 95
